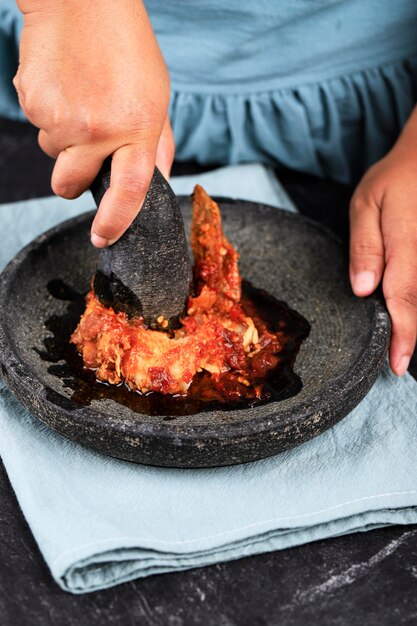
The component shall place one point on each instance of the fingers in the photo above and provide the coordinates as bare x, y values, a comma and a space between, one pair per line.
132, 169
366, 246
49, 146
400, 291
75, 169
383, 240
402, 306
131, 173
166, 150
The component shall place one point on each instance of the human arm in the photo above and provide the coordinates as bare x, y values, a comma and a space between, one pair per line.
93, 80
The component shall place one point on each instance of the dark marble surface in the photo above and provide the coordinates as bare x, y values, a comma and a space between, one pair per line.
365, 578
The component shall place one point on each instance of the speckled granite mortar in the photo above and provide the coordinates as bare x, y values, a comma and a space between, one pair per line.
291, 257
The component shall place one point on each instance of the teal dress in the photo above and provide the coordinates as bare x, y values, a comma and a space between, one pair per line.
321, 86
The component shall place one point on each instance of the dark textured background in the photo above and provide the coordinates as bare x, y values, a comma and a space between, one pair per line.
366, 578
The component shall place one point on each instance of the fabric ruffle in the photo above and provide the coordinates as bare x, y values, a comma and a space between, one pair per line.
335, 128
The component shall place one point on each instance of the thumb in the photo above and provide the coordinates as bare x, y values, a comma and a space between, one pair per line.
131, 172
366, 246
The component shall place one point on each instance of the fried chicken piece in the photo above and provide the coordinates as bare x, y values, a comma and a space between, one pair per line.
216, 336
120, 349
216, 260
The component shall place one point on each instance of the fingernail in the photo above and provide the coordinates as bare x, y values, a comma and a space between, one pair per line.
402, 366
364, 283
99, 242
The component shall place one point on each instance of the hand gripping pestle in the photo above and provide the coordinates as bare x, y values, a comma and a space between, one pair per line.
147, 271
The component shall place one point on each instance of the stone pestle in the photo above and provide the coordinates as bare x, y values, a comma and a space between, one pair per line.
147, 271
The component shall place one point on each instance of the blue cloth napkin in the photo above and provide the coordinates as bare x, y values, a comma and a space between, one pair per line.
99, 521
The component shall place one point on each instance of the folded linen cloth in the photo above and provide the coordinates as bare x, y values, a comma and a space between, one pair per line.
99, 521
